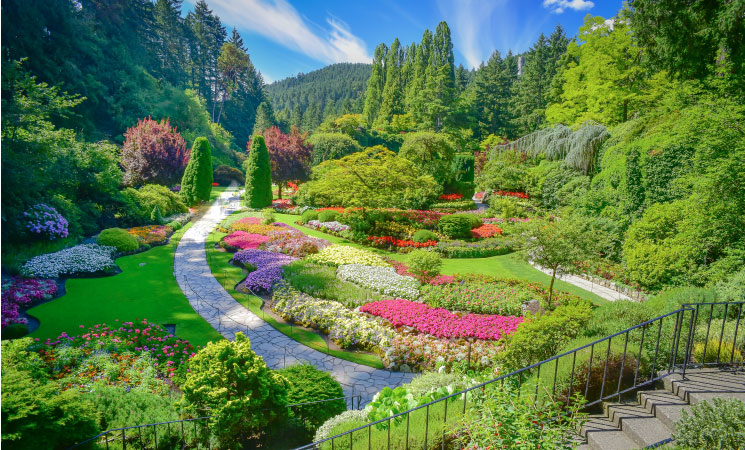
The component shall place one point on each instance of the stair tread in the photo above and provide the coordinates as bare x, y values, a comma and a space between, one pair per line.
640, 425
706, 384
610, 440
666, 406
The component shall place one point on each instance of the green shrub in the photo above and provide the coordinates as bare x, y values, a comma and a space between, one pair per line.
119, 238
715, 351
268, 216
120, 407
429, 382
138, 204
732, 289
196, 184
424, 236
308, 384
712, 425
359, 221
455, 226
431, 152
328, 215
15, 331
328, 146
505, 207
225, 174
156, 217
463, 174
175, 225
258, 192
473, 218
424, 264
616, 316
36, 414
541, 337
233, 385
672, 299
309, 215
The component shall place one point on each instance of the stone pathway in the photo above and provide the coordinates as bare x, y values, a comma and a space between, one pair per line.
229, 317
597, 289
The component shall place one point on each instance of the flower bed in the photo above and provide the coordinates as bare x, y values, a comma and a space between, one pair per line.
249, 221
44, 221
486, 231
78, 260
511, 194
440, 322
422, 352
451, 197
381, 279
240, 240
151, 234
130, 338
333, 226
337, 255
20, 293
389, 241
424, 219
401, 269
340, 209
268, 268
344, 326
479, 249
282, 204
254, 228
499, 297
295, 243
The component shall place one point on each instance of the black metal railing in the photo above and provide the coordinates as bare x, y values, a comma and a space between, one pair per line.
190, 433
604, 369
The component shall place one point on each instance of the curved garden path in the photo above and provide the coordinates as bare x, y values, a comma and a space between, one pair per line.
228, 317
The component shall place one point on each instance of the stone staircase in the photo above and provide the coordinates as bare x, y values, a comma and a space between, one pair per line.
650, 421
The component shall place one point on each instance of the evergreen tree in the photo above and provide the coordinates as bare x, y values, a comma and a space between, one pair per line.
169, 41
392, 101
196, 184
264, 118
258, 192
491, 95
419, 73
296, 119
375, 84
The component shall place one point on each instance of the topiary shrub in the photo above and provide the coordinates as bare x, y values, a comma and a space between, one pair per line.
156, 217
712, 425
118, 238
308, 384
309, 215
229, 382
424, 264
196, 184
258, 192
328, 215
225, 174
424, 236
473, 218
455, 226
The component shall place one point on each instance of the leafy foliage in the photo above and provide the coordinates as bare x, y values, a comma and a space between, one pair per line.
308, 384
153, 152
289, 154
711, 425
327, 146
119, 239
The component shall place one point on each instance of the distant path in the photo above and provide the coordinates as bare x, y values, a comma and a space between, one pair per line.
228, 317
597, 289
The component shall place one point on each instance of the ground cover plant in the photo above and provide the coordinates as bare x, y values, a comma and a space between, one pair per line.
83, 259
381, 279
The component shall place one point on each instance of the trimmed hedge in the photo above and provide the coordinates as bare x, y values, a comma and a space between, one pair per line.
118, 238
328, 215
424, 236
307, 216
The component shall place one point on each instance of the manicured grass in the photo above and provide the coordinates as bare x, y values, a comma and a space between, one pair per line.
504, 266
229, 276
147, 292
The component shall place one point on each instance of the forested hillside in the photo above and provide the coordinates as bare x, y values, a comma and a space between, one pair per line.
307, 98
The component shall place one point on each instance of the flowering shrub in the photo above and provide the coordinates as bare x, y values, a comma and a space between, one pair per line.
44, 221
80, 259
512, 194
69, 355
388, 241
337, 255
440, 322
268, 268
486, 231
293, 187
151, 234
448, 197
333, 226
423, 352
295, 243
382, 279
240, 240
21, 293
253, 228
344, 326
282, 204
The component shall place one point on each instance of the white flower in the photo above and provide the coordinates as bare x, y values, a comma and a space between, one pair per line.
84, 258
382, 279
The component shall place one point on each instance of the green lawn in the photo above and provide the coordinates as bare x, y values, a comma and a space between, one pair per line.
505, 266
139, 292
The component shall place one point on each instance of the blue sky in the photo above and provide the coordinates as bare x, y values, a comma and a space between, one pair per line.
286, 37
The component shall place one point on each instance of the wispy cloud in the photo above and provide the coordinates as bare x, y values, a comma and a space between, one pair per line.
559, 6
279, 21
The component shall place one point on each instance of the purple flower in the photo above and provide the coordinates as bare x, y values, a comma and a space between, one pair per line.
268, 267
44, 221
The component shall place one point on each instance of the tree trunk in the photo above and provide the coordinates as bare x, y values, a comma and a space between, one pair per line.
551, 287
222, 104
279, 190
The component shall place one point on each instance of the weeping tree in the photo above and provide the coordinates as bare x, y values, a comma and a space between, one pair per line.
577, 148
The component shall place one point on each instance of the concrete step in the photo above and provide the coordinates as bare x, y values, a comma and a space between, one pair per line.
637, 423
665, 406
707, 384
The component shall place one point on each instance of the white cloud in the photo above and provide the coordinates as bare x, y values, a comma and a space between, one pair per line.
279, 21
470, 22
559, 6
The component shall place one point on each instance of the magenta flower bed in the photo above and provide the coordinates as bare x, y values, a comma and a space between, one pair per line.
441, 322
20, 293
243, 240
250, 220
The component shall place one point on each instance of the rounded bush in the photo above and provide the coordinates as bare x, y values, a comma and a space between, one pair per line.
424, 236
175, 225
328, 216
424, 264
475, 220
309, 215
455, 226
118, 238
308, 384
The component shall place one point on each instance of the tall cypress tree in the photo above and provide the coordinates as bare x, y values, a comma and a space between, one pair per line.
196, 184
393, 98
374, 92
258, 193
